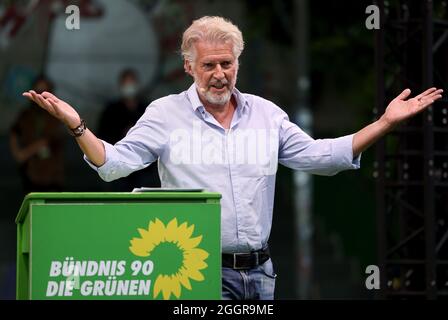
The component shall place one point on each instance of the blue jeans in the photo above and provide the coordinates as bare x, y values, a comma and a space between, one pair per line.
253, 284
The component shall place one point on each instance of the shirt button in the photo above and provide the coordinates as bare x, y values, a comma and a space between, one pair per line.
113, 172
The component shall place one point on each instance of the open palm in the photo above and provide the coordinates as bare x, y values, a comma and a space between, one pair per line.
56, 107
401, 108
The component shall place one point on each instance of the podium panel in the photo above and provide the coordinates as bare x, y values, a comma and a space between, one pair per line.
157, 245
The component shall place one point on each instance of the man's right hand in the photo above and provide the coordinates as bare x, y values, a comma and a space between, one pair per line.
56, 107
92, 147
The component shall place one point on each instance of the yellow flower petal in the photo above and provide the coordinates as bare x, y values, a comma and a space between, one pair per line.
170, 285
195, 274
171, 233
191, 263
184, 232
143, 232
150, 237
197, 253
191, 243
156, 232
183, 278
158, 285
175, 286
140, 247
158, 228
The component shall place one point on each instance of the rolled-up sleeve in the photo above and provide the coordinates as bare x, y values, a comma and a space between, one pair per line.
297, 150
142, 145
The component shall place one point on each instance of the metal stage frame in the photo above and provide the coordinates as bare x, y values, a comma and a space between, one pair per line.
411, 167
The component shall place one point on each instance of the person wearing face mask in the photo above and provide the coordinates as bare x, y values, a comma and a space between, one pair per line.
115, 121
121, 114
36, 144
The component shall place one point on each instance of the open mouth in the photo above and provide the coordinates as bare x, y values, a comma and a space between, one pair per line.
218, 86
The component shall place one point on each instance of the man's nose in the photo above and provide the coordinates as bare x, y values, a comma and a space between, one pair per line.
218, 74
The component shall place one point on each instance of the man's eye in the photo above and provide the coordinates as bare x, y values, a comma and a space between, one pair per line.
208, 65
225, 64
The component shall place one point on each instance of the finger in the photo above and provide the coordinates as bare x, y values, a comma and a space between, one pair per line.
27, 95
50, 95
424, 103
433, 96
37, 98
426, 92
54, 106
34, 96
52, 103
44, 103
438, 92
404, 94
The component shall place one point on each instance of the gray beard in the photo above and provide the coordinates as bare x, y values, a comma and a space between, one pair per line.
220, 99
216, 99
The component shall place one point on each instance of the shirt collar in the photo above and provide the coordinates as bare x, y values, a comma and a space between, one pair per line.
196, 103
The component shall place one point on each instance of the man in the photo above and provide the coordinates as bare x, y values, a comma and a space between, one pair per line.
204, 137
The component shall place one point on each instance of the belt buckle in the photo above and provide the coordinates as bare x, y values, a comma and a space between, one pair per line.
235, 267
234, 261
257, 259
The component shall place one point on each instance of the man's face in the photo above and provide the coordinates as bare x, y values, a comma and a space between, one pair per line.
215, 71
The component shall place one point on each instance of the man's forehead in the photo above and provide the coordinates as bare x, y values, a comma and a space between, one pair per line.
214, 50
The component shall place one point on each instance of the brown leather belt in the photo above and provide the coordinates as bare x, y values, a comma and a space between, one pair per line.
242, 261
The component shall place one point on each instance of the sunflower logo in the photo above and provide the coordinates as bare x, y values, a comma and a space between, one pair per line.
178, 253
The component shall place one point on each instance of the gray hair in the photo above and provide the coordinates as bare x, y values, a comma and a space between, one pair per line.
211, 29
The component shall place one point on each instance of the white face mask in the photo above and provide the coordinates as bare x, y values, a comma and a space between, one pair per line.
129, 90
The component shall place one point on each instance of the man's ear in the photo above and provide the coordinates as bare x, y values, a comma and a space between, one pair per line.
188, 68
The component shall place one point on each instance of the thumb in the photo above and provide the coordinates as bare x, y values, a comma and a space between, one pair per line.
404, 94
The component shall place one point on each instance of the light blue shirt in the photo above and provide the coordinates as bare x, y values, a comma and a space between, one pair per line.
194, 151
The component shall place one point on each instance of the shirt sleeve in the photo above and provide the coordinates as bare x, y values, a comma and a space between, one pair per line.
297, 150
142, 145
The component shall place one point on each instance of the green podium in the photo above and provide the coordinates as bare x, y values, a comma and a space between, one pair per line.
148, 245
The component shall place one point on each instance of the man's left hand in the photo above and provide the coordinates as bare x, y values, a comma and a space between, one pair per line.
401, 108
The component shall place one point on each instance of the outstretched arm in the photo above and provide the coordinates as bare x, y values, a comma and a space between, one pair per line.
92, 147
399, 109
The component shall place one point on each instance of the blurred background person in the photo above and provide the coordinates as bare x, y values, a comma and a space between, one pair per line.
36, 142
115, 121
